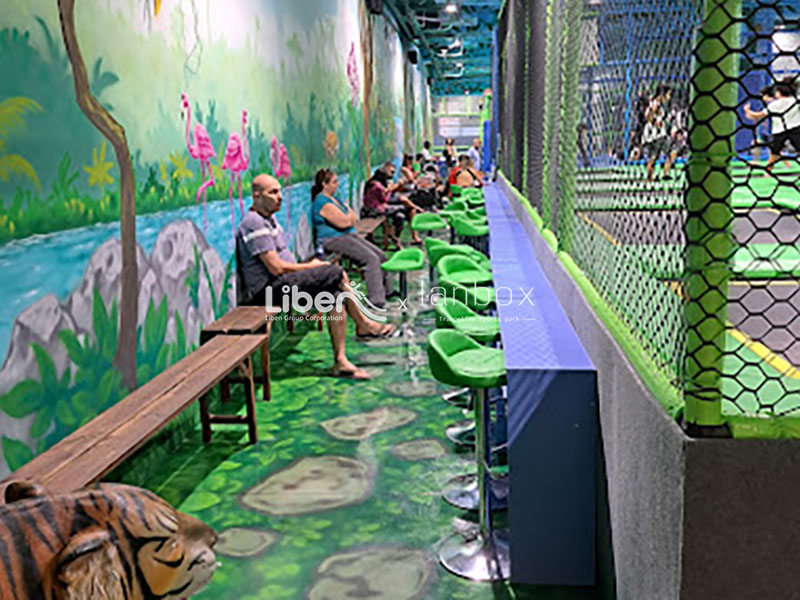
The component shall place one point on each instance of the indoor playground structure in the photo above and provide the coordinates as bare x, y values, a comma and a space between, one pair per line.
507, 307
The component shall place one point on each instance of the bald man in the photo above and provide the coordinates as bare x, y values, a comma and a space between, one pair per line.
265, 262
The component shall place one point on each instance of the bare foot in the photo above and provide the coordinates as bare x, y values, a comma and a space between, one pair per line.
375, 329
347, 369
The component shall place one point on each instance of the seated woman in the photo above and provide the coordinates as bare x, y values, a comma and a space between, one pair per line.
382, 197
465, 175
407, 174
334, 226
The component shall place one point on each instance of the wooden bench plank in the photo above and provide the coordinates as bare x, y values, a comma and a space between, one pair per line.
240, 320
118, 444
133, 403
369, 225
68, 464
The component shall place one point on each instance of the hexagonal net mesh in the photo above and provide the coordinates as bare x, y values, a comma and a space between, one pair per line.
663, 156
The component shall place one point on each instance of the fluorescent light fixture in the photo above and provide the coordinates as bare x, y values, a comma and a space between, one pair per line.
451, 8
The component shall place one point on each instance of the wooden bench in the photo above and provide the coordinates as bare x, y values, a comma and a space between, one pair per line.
243, 320
367, 227
102, 444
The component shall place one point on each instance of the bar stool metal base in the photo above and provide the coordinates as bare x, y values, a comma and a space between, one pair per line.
462, 492
473, 556
459, 398
461, 433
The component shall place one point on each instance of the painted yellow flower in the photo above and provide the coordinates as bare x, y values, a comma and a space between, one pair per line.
164, 176
180, 171
98, 171
331, 144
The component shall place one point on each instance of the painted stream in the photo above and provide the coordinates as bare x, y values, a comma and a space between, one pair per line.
54, 263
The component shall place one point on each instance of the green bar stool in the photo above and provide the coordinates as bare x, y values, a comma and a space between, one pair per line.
432, 248
454, 314
428, 222
463, 270
451, 313
474, 196
480, 212
456, 359
463, 250
455, 206
403, 261
478, 298
475, 232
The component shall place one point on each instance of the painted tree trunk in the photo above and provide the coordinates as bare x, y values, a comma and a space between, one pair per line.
366, 50
125, 358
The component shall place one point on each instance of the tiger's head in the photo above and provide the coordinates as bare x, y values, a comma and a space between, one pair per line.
123, 542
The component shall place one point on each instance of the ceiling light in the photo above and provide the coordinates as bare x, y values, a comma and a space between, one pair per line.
451, 8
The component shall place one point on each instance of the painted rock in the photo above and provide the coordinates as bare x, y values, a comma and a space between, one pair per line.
378, 573
241, 542
413, 390
360, 426
418, 450
312, 484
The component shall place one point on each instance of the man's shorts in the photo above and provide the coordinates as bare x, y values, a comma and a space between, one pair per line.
325, 278
657, 147
779, 140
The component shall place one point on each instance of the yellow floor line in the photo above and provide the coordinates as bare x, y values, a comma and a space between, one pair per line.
599, 228
783, 366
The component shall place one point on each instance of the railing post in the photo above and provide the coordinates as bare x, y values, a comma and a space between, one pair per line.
709, 214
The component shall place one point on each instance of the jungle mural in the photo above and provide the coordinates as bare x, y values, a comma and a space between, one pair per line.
208, 94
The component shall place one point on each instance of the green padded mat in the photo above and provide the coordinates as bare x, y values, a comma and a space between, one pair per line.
754, 261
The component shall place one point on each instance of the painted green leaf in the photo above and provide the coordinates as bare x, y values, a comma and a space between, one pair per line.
200, 500
16, 453
83, 401
180, 338
229, 465
294, 402
65, 414
99, 317
24, 399
42, 422
47, 369
75, 351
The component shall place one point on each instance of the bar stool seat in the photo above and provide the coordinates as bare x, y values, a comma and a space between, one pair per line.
463, 270
408, 259
452, 313
428, 222
476, 297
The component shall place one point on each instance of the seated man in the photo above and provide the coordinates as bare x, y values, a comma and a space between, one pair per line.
266, 262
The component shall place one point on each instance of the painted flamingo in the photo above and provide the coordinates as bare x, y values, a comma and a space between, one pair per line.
237, 159
201, 150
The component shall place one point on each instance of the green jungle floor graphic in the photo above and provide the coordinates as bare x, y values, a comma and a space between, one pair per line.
340, 498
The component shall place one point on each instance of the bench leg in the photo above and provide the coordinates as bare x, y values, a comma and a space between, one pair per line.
250, 399
205, 420
265, 372
225, 390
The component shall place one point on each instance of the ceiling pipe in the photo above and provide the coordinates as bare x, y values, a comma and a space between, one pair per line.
416, 31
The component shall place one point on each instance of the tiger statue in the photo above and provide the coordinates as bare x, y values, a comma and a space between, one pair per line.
108, 542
